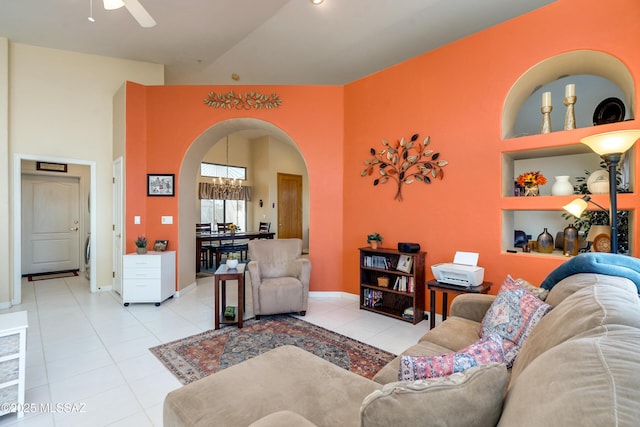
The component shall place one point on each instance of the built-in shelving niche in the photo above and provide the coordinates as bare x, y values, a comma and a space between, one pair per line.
560, 152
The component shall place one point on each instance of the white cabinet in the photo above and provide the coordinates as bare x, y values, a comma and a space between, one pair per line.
149, 277
13, 344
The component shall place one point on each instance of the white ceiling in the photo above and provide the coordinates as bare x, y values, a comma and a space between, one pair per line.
263, 41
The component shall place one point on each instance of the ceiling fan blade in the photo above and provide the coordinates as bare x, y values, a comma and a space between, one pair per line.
139, 13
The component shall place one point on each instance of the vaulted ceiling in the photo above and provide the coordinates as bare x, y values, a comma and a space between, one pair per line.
262, 41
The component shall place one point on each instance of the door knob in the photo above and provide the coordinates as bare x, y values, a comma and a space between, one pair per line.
73, 228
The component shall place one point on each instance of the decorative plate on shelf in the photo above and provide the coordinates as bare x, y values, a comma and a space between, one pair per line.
610, 110
598, 182
601, 243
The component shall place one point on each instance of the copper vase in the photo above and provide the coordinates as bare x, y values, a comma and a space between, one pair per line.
545, 242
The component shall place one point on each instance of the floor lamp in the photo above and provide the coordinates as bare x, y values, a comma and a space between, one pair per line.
611, 146
601, 232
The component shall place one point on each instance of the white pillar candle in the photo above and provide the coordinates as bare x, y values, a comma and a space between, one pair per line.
546, 99
570, 90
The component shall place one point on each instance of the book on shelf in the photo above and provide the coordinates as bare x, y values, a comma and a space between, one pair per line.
404, 284
372, 298
377, 261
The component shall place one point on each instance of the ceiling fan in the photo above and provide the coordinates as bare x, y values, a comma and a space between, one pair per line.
135, 9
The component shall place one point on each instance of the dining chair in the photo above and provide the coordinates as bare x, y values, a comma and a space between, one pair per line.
229, 246
208, 250
264, 227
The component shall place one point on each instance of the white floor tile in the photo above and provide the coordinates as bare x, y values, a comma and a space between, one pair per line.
90, 349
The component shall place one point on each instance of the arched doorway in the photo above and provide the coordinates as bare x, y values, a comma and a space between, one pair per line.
188, 203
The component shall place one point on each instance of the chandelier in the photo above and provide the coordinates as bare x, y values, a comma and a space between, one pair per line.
228, 188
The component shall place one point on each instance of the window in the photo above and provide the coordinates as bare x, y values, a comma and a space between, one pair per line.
213, 170
214, 211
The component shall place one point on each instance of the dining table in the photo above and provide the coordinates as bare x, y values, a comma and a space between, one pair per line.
225, 236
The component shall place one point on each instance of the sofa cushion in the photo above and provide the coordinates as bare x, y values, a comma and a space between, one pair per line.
570, 285
590, 381
484, 351
513, 315
470, 398
454, 334
389, 373
286, 378
587, 308
283, 419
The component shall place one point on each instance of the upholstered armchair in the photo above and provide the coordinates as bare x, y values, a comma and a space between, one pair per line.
279, 276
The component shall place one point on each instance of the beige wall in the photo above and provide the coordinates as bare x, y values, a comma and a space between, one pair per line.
264, 157
60, 105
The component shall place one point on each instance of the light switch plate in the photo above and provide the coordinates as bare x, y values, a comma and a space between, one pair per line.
136, 219
167, 219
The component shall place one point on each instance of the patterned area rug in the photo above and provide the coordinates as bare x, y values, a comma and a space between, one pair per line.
197, 356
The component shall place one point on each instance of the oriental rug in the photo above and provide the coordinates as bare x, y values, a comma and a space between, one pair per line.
197, 356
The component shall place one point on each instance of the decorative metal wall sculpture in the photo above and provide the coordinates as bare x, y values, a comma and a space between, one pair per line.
245, 101
404, 162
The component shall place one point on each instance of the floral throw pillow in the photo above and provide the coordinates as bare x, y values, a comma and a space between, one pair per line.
486, 350
512, 315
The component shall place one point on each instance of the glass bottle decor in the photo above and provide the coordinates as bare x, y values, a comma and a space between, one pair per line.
571, 241
545, 242
562, 186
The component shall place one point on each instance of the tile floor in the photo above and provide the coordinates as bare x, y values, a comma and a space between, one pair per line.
88, 349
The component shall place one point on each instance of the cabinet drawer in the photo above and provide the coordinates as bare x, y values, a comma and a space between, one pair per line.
141, 273
9, 370
141, 290
8, 395
141, 261
9, 344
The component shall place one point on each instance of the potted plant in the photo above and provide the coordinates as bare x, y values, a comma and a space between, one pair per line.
141, 245
374, 239
232, 260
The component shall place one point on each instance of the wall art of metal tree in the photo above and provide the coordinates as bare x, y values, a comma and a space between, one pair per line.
404, 162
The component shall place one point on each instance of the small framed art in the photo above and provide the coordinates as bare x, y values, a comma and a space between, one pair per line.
404, 263
160, 245
160, 184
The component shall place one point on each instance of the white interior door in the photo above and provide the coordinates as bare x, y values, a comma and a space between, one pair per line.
50, 224
117, 225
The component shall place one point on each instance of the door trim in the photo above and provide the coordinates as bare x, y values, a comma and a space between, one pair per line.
17, 217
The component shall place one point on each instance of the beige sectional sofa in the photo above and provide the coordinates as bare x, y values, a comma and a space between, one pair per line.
579, 366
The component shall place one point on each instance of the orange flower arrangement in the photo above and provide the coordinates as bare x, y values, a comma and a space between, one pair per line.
531, 178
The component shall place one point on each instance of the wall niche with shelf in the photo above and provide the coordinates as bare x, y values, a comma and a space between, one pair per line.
609, 76
596, 75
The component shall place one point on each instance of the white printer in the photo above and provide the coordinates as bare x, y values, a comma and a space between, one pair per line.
463, 271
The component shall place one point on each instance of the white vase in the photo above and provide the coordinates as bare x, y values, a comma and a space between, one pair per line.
562, 186
232, 263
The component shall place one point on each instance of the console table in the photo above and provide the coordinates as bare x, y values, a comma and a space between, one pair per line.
222, 274
446, 289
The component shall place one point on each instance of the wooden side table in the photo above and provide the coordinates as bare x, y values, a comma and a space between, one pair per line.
446, 289
223, 274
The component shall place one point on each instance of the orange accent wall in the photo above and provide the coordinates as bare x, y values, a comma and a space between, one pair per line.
163, 121
455, 94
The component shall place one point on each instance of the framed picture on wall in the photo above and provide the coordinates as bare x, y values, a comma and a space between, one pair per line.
160, 184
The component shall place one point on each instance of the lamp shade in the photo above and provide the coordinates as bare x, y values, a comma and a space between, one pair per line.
596, 230
112, 4
576, 207
611, 142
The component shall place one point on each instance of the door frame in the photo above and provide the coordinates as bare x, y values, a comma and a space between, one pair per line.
17, 217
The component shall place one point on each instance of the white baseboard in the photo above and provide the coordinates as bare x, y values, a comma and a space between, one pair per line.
323, 294
185, 290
